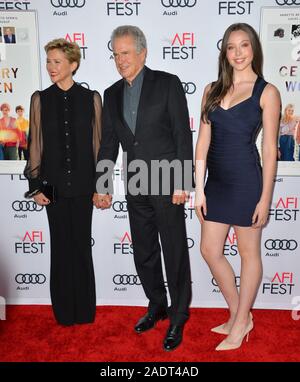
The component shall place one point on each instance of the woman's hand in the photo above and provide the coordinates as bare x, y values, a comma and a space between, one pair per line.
261, 213
41, 199
200, 205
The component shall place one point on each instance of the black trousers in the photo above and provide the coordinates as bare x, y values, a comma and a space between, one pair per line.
151, 217
72, 282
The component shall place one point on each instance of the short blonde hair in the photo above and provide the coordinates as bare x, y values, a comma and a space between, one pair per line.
70, 49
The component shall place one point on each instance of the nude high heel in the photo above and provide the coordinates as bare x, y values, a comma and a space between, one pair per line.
225, 345
221, 329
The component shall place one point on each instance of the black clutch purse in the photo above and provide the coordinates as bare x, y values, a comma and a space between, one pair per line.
50, 192
47, 189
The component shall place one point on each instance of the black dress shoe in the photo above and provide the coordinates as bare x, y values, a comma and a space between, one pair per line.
149, 320
173, 337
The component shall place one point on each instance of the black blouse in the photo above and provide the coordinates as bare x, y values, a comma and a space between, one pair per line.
64, 139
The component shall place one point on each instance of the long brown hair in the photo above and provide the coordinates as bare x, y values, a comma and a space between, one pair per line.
220, 88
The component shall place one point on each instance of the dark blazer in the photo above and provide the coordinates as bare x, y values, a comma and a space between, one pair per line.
7, 41
162, 126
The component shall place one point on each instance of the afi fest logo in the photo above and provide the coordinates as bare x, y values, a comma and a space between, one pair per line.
124, 245
182, 47
192, 125
31, 243
123, 8
230, 247
235, 7
189, 209
14, 5
280, 283
79, 38
286, 209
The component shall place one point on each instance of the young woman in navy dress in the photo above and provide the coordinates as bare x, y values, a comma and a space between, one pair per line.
238, 191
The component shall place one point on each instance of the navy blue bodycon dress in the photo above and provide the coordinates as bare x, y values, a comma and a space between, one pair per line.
234, 182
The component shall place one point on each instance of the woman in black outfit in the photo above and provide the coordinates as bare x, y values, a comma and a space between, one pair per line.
64, 140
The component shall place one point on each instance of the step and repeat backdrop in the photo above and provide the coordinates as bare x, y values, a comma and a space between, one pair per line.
183, 38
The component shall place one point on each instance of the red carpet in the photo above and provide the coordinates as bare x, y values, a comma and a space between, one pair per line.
30, 334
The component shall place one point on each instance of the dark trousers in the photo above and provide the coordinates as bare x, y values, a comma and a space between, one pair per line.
25, 153
151, 217
287, 145
72, 282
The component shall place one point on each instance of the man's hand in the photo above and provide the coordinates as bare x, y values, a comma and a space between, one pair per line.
102, 201
180, 197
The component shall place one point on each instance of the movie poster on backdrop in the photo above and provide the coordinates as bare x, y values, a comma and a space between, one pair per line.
280, 38
19, 78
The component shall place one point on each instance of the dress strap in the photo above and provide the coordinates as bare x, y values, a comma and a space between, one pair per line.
259, 86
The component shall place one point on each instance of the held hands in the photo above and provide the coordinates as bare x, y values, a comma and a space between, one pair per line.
102, 201
180, 197
260, 216
200, 205
41, 199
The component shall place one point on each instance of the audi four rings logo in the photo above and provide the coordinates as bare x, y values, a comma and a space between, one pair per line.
178, 3
281, 244
120, 206
33, 278
109, 46
189, 87
26, 205
68, 3
84, 84
126, 280
288, 2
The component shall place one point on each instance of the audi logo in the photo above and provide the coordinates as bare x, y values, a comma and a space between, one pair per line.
237, 281
126, 280
288, 2
84, 84
33, 278
189, 87
178, 3
120, 206
190, 242
109, 46
26, 205
219, 44
285, 245
68, 3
